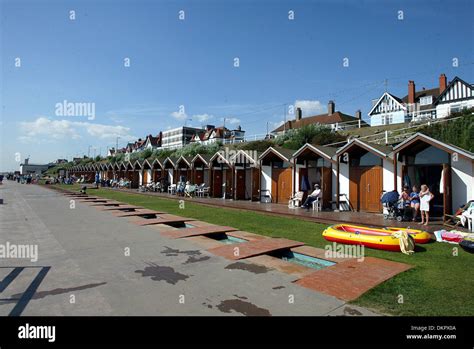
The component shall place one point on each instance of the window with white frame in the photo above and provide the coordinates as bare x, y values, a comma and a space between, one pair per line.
387, 119
426, 100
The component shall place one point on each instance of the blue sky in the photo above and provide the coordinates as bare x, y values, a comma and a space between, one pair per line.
191, 63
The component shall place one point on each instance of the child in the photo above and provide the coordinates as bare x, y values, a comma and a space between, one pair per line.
405, 196
415, 202
425, 197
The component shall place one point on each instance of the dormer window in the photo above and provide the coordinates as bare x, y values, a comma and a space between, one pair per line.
426, 100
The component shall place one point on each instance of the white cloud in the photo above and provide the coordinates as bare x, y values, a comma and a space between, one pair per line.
43, 127
202, 117
179, 115
309, 107
232, 121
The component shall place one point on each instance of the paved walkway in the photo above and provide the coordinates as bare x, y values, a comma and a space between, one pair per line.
92, 263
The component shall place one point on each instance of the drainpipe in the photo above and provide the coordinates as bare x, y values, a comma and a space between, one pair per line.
395, 182
294, 176
337, 183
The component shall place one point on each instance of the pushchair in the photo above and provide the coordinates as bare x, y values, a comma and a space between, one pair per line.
394, 207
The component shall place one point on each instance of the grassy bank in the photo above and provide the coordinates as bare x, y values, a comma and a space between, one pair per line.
439, 284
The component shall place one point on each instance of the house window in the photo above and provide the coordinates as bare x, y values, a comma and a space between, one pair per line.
387, 119
455, 108
426, 100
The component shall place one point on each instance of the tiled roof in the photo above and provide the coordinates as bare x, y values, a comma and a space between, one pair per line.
321, 119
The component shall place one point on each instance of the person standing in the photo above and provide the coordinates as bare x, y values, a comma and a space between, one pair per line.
425, 197
97, 180
415, 202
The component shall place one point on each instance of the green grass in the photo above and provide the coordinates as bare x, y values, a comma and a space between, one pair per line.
439, 284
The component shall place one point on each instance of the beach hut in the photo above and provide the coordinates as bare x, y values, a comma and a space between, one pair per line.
276, 174
169, 167
157, 170
246, 175
135, 174
221, 176
364, 171
448, 171
184, 168
116, 168
201, 169
103, 170
145, 175
314, 165
110, 170
123, 170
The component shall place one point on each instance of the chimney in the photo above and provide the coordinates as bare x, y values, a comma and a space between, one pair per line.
26, 161
331, 107
298, 113
442, 83
411, 92
358, 115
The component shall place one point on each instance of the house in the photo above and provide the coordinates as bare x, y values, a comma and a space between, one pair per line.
153, 142
334, 119
454, 97
211, 134
420, 104
387, 110
433, 103
236, 136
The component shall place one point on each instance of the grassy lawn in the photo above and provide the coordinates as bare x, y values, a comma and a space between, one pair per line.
439, 284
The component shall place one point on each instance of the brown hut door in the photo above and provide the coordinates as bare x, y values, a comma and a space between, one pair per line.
326, 186
275, 184
255, 184
284, 185
373, 187
145, 177
447, 198
217, 183
355, 185
241, 185
198, 176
